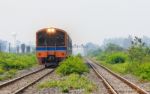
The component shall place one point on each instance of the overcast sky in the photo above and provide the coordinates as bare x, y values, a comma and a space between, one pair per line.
84, 20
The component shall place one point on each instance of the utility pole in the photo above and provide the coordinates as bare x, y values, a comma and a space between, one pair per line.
14, 37
9, 47
0, 47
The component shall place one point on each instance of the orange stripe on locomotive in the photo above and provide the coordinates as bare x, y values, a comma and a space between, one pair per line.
61, 54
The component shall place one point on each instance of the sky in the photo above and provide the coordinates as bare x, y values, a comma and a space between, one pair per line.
84, 20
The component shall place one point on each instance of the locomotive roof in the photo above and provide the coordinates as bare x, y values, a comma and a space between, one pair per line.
42, 30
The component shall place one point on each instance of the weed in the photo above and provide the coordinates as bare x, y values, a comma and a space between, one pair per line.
10, 63
73, 64
71, 82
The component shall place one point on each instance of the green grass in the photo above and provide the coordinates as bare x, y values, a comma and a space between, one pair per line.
72, 72
140, 70
73, 64
11, 63
71, 82
119, 68
118, 57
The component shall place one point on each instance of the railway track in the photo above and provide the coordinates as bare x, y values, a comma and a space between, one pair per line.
114, 83
18, 85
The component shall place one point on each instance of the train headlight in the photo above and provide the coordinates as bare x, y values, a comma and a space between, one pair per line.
51, 30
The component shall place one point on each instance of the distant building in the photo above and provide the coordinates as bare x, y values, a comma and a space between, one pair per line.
28, 49
3, 46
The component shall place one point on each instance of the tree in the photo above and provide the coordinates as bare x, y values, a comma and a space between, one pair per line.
148, 50
137, 51
95, 52
0, 47
110, 48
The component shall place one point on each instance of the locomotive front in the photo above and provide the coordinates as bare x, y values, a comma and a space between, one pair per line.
51, 46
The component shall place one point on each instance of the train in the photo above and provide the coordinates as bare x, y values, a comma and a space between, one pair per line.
53, 45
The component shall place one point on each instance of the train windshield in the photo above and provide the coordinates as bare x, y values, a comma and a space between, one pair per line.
55, 39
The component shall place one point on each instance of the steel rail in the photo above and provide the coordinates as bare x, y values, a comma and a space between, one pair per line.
132, 85
105, 82
18, 78
19, 91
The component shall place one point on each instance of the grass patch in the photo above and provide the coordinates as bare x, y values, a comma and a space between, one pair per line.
140, 70
72, 72
71, 82
73, 64
11, 63
119, 68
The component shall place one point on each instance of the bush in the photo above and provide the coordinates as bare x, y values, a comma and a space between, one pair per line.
2, 70
10, 63
116, 58
14, 61
73, 81
140, 70
79, 55
102, 56
73, 64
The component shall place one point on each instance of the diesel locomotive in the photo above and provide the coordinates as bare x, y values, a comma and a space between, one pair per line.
52, 46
